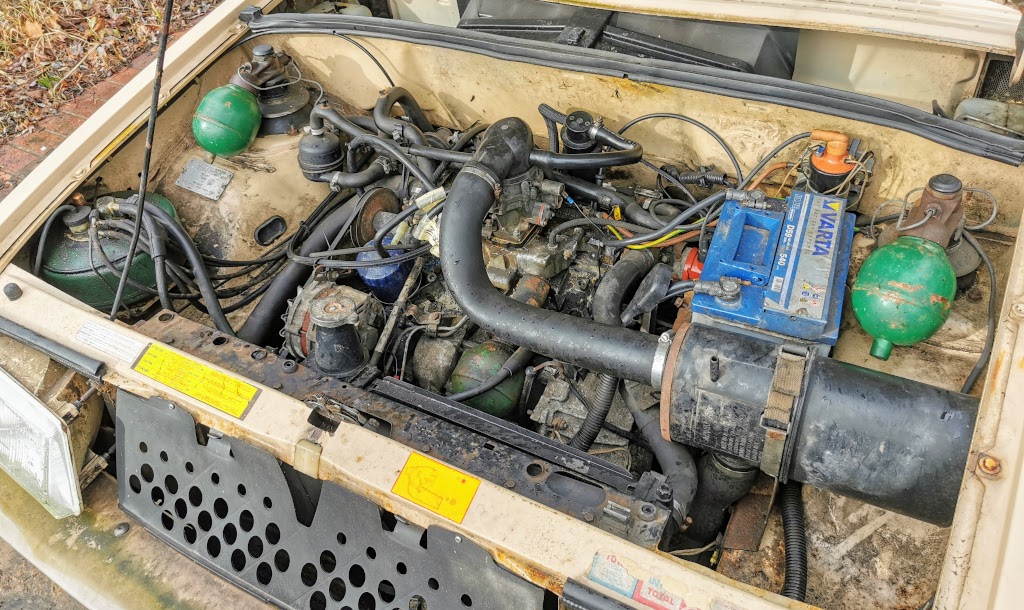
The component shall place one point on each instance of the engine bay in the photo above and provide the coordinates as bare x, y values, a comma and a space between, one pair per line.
648, 343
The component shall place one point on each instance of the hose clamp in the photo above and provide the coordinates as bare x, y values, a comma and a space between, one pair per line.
781, 408
661, 358
484, 173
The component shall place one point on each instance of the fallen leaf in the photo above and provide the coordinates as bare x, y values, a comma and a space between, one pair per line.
32, 29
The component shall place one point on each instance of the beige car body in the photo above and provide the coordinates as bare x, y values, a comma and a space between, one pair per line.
985, 553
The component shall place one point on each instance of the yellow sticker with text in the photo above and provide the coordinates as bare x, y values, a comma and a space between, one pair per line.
436, 487
220, 391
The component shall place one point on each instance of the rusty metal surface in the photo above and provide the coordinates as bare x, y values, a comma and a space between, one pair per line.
750, 516
375, 201
496, 458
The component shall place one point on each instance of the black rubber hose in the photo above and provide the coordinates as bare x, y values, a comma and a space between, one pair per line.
722, 480
37, 267
387, 146
515, 363
579, 187
624, 275
195, 260
675, 459
637, 215
413, 132
323, 111
626, 151
795, 534
265, 320
389, 226
346, 180
387, 123
505, 151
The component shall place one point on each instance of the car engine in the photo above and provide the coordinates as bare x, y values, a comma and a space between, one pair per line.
632, 343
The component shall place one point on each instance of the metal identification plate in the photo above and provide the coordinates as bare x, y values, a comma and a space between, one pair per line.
204, 179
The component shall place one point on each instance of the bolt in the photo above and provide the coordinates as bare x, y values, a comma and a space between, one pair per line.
974, 294
989, 465
647, 511
259, 354
121, 529
1018, 309
458, 539
289, 366
509, 483
12, 291
588, 517
664, 493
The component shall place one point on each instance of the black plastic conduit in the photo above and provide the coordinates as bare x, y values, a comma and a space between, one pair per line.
611, 291
795, 584
504, 151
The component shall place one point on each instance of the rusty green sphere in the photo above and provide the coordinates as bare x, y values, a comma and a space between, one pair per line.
903, 293
476, 366
227, 120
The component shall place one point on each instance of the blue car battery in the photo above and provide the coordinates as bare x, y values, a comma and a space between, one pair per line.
792, 264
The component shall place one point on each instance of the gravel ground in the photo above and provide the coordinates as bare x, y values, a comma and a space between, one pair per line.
22, 587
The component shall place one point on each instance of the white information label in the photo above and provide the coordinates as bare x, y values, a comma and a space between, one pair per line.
110, 342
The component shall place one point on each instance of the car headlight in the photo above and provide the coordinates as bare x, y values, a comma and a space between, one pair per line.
35, 449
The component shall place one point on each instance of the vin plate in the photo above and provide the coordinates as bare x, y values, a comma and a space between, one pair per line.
204, 179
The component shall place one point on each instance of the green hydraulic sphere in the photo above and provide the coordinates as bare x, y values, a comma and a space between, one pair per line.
227, 120
475, 366
903, 293
71, 265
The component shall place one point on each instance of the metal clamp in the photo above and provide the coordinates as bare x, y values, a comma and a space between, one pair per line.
485, 174
783, 395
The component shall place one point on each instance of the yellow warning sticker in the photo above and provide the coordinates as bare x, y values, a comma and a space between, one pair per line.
436, 487
220, 391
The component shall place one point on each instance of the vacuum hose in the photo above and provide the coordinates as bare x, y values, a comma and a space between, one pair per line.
504, 151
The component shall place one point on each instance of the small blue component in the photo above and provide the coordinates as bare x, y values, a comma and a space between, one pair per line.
384, 281
796, 263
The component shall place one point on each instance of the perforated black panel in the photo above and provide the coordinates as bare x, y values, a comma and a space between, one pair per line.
229, 506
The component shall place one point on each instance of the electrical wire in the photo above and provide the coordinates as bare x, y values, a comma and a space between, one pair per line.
995, 208
990, 333
771, 155
154, 106
695, 123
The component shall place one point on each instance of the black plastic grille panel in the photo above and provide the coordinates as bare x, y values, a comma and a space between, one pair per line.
228, 506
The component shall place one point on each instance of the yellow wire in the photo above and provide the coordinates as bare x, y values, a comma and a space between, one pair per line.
616, 233
656, 242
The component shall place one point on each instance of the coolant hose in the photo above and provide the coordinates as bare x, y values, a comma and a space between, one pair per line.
349, 180
793, 530
675, 460
504, 151
397, 95
195, 260
722, 481
265, 320
413, 132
